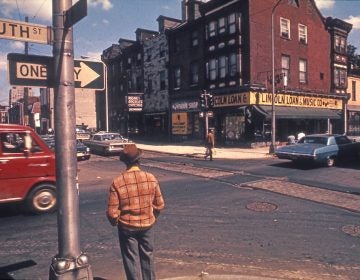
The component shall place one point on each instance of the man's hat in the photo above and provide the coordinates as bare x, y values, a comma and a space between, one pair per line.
130, 154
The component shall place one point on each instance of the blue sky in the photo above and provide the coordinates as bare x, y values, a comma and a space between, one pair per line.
109, 20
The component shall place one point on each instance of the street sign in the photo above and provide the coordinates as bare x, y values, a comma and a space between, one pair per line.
37, 71
75, 13
23, 31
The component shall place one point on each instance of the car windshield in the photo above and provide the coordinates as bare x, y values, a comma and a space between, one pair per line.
313, 140
112, 136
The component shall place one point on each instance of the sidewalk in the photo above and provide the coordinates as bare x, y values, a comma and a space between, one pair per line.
196, 150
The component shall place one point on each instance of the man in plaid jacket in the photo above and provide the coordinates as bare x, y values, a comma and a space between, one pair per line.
134, 202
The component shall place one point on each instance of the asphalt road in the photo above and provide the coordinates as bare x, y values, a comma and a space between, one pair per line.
264, 218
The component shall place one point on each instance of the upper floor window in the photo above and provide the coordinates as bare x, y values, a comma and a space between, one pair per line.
194, 73
222, 67
177, 77
232, 23
221, 25
339, 77
285, 68
212, 29
302, 71
162, 80
212, 69
162, 50
302, 33
176, 45
194, 38
233, 64
353, 90
285, 28
340, 44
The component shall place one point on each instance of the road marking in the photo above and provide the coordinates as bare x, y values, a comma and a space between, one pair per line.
343, 200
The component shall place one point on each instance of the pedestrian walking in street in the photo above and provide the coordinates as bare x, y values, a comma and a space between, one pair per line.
134, 203
209, 144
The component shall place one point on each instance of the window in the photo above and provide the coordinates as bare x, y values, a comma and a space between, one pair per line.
212, 70
221, 25
285, 68
212, 29
302, 33
340, 44
177, 77
285, 28
162, 50
194, 73
353, 90
194, 38
340, 77
176, 45
303, 71
150, 87
162, 80
232, 23
233, 68
222, 67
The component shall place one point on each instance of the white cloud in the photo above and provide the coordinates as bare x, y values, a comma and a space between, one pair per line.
35, 9
105, 21
17, 45
355, 21
325, 4
106, 4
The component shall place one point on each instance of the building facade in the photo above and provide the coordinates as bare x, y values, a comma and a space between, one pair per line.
236, 54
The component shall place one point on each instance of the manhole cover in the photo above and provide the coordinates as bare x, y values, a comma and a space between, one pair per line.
352, 230
261, 206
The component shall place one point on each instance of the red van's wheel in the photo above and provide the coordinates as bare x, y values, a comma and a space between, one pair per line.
42, 199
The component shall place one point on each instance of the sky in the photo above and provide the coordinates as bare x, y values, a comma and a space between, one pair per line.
109, 20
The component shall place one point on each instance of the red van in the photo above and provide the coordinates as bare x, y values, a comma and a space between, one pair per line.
27, 169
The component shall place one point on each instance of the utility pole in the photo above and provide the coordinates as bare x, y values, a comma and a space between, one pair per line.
70, 263
26, 89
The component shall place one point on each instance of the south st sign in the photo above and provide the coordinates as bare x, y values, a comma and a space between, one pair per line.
23, 31
37, 71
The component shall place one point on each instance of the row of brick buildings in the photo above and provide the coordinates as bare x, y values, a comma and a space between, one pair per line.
225, 48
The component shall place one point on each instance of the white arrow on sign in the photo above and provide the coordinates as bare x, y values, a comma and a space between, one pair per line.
84, 74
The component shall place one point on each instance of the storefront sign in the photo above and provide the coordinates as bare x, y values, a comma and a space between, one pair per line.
180, 124
135, 103
185, 106
235, 99
295, 101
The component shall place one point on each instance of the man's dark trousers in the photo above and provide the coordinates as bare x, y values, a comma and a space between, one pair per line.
132, 242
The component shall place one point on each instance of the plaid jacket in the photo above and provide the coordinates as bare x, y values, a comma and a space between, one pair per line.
134, 199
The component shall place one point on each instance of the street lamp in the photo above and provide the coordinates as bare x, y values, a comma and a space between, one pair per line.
106, 89
273, 119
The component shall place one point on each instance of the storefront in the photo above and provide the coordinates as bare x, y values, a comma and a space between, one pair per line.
244, 117
186, 123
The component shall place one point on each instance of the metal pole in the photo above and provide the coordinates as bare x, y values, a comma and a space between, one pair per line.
106, 98
26, 89
70, 263
273, 115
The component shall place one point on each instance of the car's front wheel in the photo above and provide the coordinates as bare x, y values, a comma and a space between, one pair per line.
330, 162
42, 199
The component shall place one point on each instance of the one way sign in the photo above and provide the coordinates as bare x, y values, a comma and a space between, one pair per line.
37, 71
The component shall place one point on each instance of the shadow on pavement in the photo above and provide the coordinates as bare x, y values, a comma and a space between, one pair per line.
5, 270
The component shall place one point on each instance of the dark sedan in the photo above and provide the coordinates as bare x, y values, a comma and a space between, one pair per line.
320, 148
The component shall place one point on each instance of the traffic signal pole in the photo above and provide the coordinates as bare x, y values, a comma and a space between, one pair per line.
70, 263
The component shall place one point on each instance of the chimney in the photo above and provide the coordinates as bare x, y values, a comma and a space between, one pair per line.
190, 9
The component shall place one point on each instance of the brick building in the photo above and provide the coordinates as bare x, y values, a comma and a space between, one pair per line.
235, 65
230, 49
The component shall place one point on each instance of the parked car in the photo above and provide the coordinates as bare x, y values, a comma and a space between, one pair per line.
106, 143
27, 169
82, 151
320, 148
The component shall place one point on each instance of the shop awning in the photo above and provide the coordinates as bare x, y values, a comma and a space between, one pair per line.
282, 112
